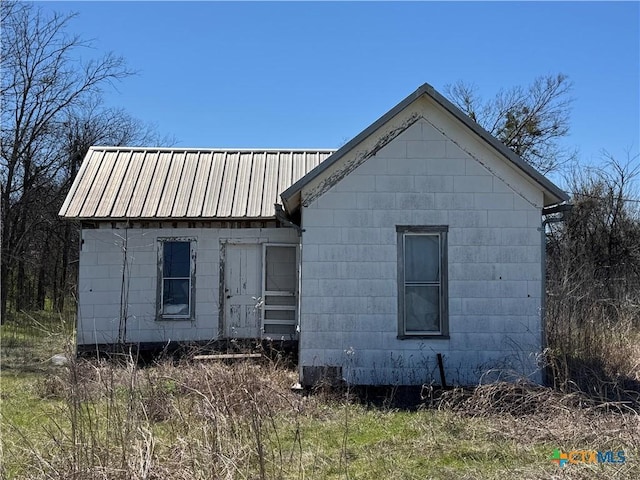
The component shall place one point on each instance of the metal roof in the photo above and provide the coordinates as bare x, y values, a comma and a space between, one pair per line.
152, 183
552, 193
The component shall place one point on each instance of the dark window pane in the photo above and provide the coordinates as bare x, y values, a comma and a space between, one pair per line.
175, 297
422, 258
422, 309
176, 259
281, 269
279, 314
280, 329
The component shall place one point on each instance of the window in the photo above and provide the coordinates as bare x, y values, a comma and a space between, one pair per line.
422, 281
176, 279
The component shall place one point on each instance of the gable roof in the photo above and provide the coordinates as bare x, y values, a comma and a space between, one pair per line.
291, 198
155, 183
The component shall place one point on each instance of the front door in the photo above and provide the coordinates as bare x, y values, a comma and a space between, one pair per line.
243, 285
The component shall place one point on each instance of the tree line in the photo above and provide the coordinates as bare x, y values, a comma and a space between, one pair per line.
52, 112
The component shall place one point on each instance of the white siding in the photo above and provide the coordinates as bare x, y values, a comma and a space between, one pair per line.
349, 263
100, 280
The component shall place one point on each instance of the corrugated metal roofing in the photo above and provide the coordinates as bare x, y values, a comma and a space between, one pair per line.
119, 183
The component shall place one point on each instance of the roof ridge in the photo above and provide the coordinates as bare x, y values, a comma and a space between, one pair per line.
210, 149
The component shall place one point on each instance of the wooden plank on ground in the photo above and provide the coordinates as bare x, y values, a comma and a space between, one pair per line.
227, 356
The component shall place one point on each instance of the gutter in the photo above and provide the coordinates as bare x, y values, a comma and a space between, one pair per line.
564, 210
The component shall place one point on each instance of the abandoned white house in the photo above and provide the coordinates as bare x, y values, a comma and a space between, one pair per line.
422, 235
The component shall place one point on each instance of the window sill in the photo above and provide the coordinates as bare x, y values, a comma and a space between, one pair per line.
172, 319
423, 337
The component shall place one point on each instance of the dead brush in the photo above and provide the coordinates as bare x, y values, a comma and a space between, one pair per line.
506, 398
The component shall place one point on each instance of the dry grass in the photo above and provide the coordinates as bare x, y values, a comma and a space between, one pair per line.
190, 420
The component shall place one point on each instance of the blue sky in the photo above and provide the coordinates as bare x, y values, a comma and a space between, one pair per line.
297, 74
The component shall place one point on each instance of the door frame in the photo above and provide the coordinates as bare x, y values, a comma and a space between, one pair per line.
265, 293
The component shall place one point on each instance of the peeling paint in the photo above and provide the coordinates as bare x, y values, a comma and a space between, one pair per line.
359, 159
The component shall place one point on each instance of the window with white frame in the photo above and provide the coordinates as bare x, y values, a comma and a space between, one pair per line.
422, 281
176, 278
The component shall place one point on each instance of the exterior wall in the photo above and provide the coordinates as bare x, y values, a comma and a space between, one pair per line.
101, 279
348, 313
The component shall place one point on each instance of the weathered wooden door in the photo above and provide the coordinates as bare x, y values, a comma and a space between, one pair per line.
243, 284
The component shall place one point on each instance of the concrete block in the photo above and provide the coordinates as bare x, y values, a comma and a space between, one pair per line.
481, 306
415, 201
376, 201
434, 183
446, 166
414, 132
355, 182
397, 148
430, 217
472, 183
406, 166
377, 165
309, 251
365, 270
431, 133
520, 236
514, 254
520, 306
455, 201
390, 218
353, 218
494, 201
479, 236
502, 218
377, 288
321, 270
467, 253
317, 217
395, 183
361, 236
338, 287
337, 253
468, 218
337, 200
323, 235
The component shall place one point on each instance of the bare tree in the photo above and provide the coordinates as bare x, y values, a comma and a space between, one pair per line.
43, 83
528, 120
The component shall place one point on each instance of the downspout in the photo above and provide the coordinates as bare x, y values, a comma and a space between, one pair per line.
563, 210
